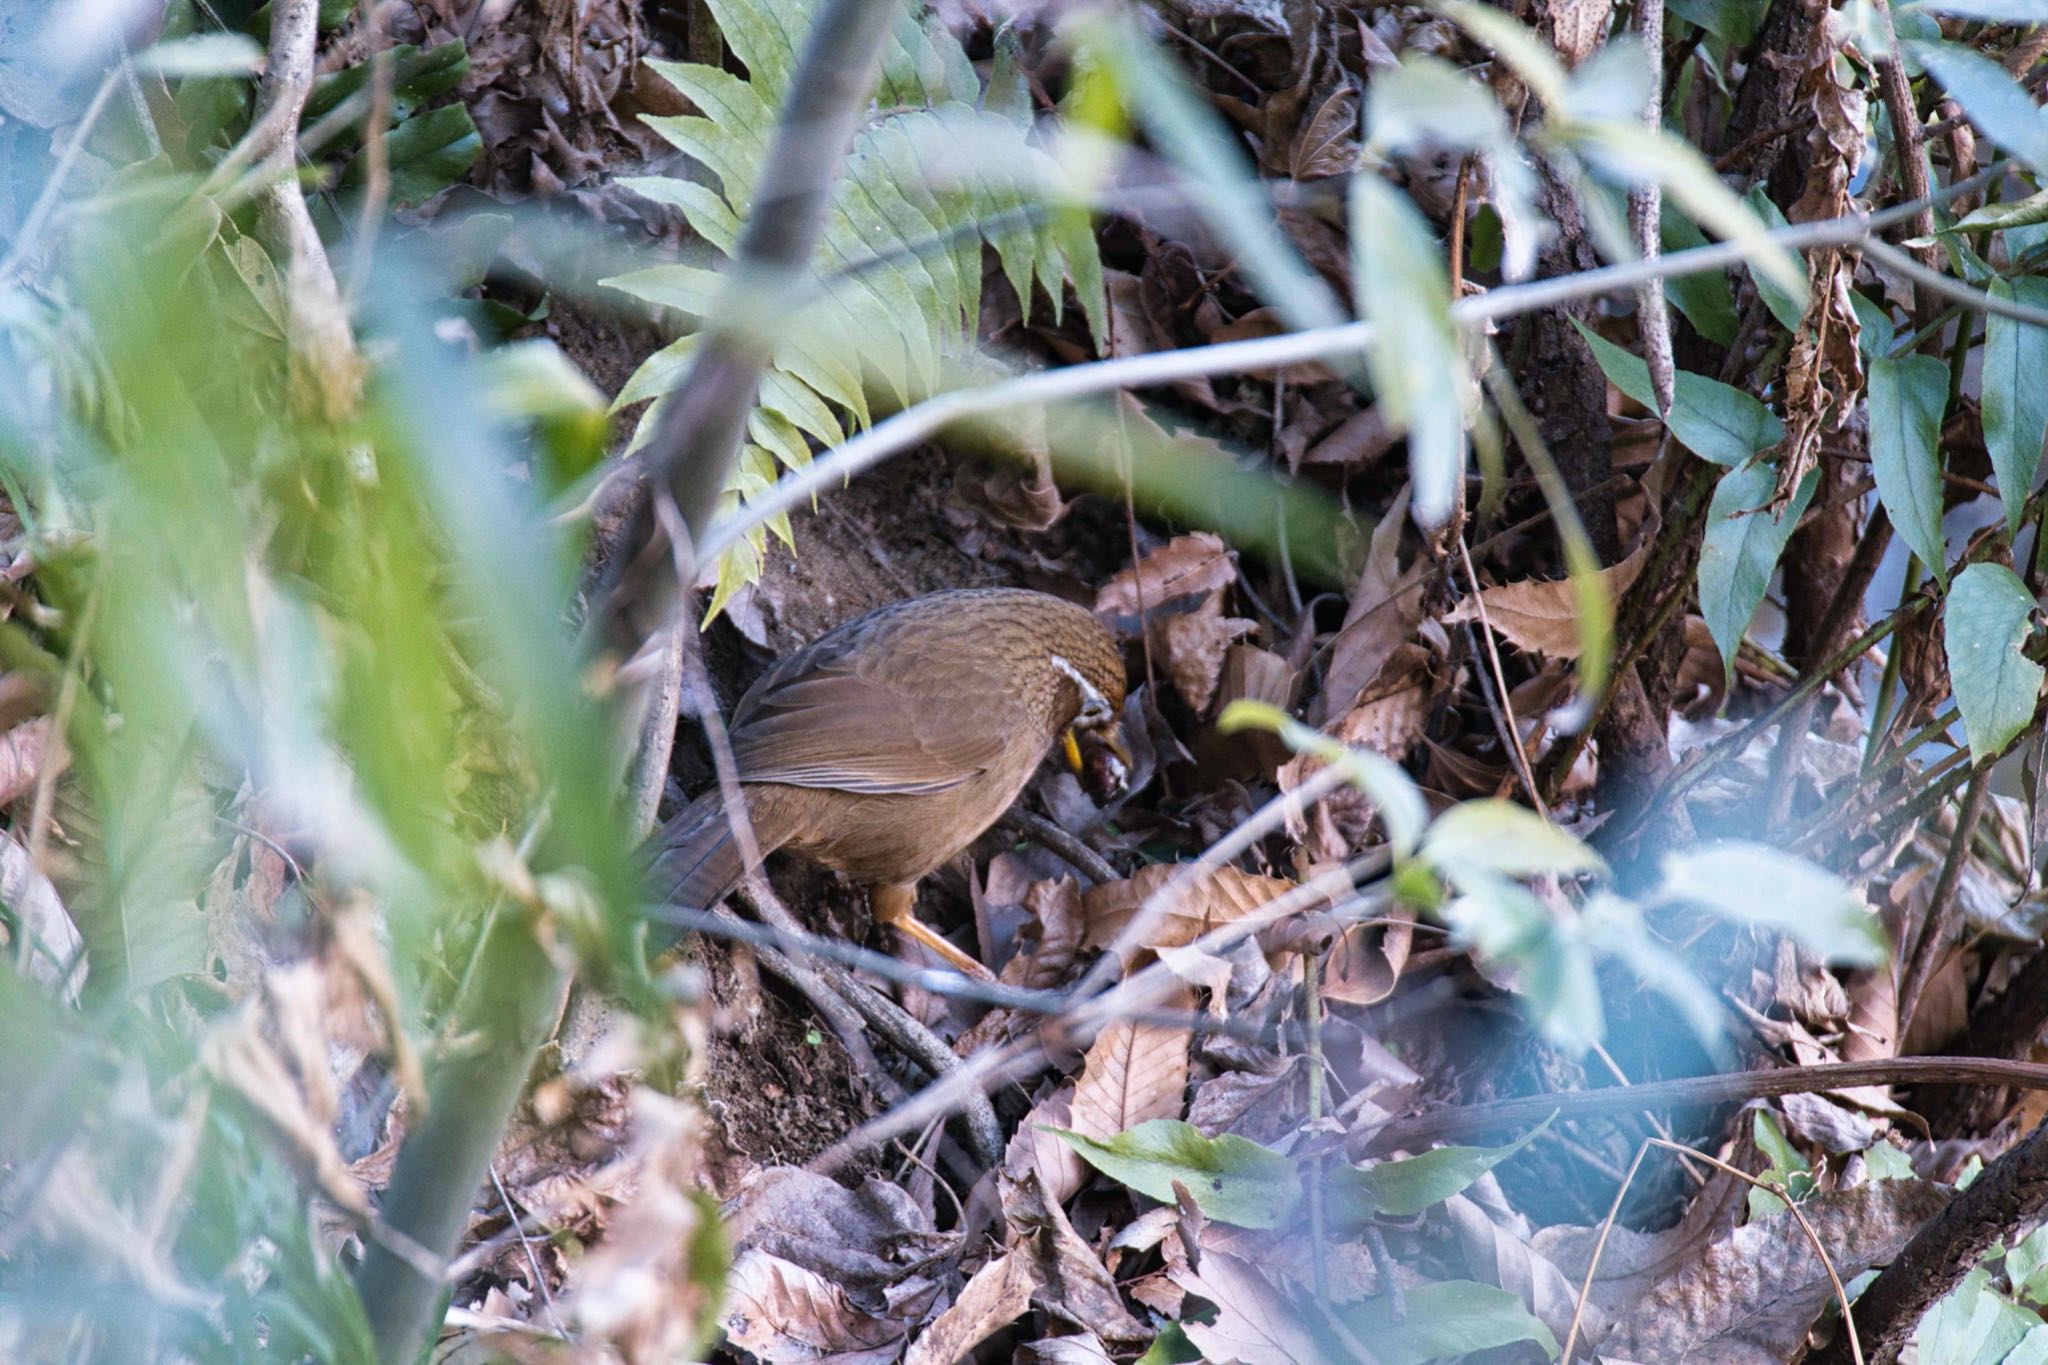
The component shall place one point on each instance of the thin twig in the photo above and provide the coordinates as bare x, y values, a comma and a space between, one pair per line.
1693, 1092
1050, 836
1938, 924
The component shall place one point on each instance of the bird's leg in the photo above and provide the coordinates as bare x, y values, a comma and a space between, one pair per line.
895, 904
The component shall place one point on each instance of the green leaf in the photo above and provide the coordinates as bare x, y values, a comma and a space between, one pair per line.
427, 153
1417, 363
2014, 213
1503, 922
1973, 1324
1405, 1187
1747, 883
2026, 1267
1703, 296
1879, 333
204, 54
1720, 424
1788, 1168
1788, 306
1505, 839
1232, 1181
1450, 1318
2015, 396
1736, 21
1170, 1347
1995, 102
1741, 547
1986, 622
1906, 400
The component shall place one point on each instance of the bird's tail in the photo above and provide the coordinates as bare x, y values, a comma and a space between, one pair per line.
696, 858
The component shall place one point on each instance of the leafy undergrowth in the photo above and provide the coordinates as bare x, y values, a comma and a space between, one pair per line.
1308, 1043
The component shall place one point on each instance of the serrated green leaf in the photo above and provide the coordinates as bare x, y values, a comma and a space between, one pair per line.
1719, 423
1232, 1180
1986, 622
1906, 400
1740, 550
2015, 397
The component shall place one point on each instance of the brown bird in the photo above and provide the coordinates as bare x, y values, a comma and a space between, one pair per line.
888, 744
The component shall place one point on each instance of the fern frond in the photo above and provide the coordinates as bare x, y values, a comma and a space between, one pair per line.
929, 181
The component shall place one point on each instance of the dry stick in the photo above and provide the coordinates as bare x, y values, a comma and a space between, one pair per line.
1526, 1111
1008, 1061
2008, 1195
326, 371
1939, 921
1050, 836
1645, 210
1502, 710
444, 1159
540, 1281
1774, 1187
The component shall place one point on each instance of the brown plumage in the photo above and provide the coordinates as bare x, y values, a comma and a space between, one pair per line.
888, 744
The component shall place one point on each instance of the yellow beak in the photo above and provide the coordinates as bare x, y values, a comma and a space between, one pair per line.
1071, 747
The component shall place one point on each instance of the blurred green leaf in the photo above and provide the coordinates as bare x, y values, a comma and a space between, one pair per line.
1504, 839
1907, 396
2015, 400
1994, 101
1740, 550
1748, 883
1508, 926
1231, 1180
1973, 1324
1787, 1167
419, 75
427, 153
1418, 365
1787, 305
1400, 803
204, 54
1986, 624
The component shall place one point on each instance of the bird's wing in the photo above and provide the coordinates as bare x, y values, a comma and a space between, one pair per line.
825, 724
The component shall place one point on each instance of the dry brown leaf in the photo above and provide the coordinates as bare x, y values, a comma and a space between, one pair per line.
1577, 28
1366, 964
23, 752
1193, 565
1327, 144
996, 1297
1035, 1151
1359, 442
1083, 1348
1254, 1322
56, 950
1750, 1299
1542, 615
1072, 1282
785, 1314
641, 1290
1195, 645
1385, 608
1134, 1072
1223, 897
